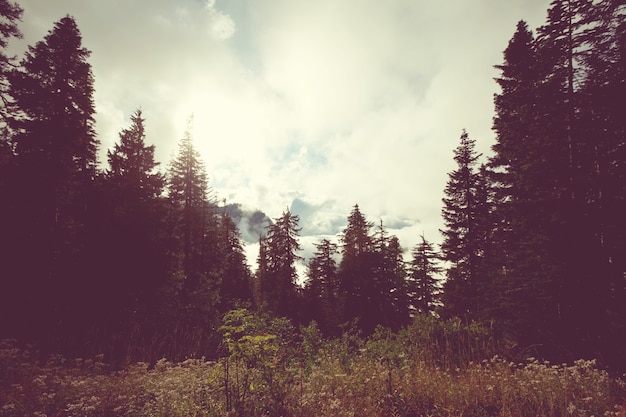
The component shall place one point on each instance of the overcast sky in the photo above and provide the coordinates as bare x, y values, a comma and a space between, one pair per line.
309, 105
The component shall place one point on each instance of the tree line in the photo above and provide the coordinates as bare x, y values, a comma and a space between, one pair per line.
124, 260
140, 264
536, 234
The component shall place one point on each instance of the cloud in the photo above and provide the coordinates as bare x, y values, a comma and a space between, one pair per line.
315, 106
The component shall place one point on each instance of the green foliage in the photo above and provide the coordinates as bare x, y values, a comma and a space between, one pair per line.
385, 376
256, 370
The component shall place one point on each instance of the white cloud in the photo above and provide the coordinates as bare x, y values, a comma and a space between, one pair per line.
324, 103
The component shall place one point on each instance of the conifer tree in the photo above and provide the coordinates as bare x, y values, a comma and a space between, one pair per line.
322, 287
192, 295
127, 239
10, 249
235, 277
190, 208
557, 147
279, 289
423, 285
356, 271
462, 245
605, 87
132, 165
55, 146
388, 298
524, 168
11, 14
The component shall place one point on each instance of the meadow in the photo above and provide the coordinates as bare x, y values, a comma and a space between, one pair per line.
431, 368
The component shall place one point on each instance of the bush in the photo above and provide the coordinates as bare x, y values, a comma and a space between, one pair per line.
429, 369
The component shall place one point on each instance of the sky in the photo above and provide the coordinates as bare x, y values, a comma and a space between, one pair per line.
312, 106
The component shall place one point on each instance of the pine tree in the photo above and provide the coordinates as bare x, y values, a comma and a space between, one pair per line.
127, 240
10, 15
10, 248
605, 87
191, 299
524, 166
132, 164
279, 278
235, 276
322, 287
423, 284
356, 271
190, 208
463, 244
388, 297
557, 136
55, 146
54, 91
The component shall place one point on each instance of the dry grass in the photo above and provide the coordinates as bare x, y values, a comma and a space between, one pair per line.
388, 375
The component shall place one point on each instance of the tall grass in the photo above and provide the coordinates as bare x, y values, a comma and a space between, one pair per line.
430, 369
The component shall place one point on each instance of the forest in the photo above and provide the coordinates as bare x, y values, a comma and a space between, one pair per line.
125, 289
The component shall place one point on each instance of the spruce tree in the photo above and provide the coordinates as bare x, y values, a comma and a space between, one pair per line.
235, 276
557, 150
190, 208
356, 270
322, 287
132, 164
55, 146
10, 15
190, 306
463, 244
279, 290
128, 241
10, 249
605, 87
422, 281
388, 298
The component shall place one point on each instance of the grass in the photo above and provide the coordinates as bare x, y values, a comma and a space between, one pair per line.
412, 373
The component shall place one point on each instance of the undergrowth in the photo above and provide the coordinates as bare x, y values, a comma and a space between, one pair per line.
430, 369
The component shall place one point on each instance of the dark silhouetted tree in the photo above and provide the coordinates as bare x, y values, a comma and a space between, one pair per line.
11, 14
235, 275
423, 284
191, 302
555, 167
356, 269
388, 298
322, 287
55, 146
462, 245
279, 289
132, 165
10, 249
128, 242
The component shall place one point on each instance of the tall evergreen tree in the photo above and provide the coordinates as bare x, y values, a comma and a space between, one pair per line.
524, 163
132, 164
356, 270
463, 244
558, 142
322, 287
190, 208
128, 241
235, 275
279, 290
55, 146
389, 292
423, 284
10, 15
605, 87
191, 300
